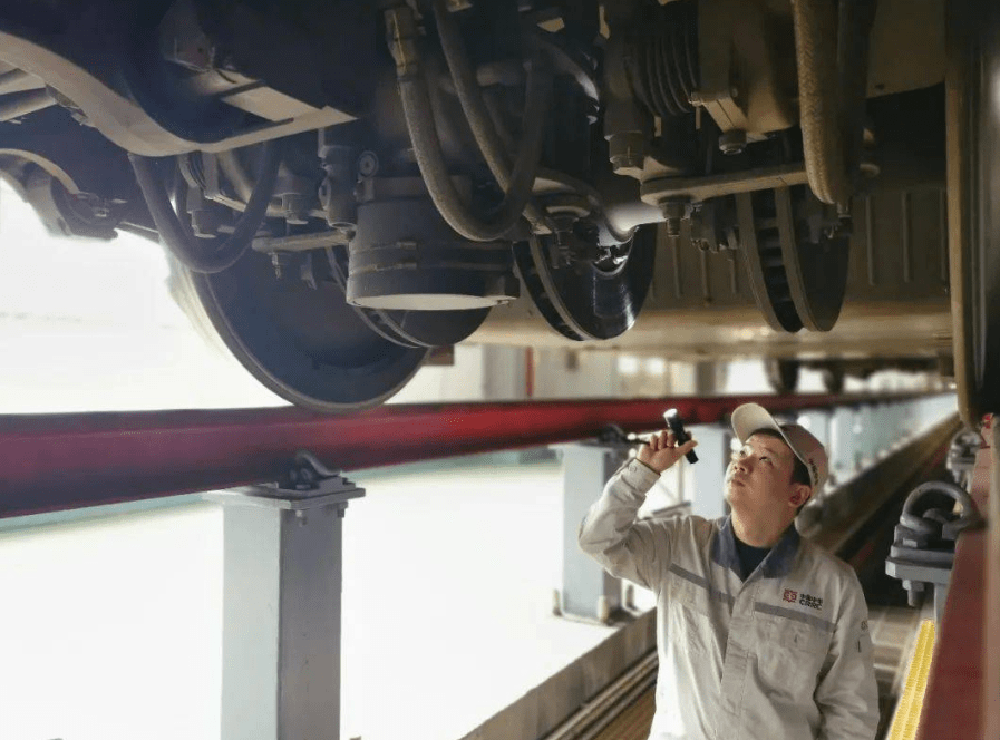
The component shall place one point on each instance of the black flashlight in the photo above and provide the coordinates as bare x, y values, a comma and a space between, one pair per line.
673, 420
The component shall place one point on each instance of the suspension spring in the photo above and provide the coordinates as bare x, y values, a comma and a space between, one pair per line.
663, 59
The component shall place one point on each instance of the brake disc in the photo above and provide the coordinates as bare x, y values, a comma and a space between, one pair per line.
798, 274
760, 245
815, 263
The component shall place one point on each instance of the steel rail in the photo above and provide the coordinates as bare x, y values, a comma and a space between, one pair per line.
55, 462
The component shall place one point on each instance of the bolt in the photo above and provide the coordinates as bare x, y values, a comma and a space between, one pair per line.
280, 261
368, 164
733, 142
673, 211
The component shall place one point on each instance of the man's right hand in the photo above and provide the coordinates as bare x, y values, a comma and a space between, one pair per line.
661, 452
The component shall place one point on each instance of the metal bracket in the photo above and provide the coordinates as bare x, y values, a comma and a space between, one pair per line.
923, 551
306, 484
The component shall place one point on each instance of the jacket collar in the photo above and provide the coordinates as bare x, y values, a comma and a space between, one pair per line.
778, 562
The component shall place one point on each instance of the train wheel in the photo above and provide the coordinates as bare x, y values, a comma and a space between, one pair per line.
299, 338
972, 117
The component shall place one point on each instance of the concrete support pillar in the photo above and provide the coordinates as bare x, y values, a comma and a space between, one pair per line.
281, 611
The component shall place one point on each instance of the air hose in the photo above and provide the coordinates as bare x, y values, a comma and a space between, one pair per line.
477, 112
219, 253
427, 145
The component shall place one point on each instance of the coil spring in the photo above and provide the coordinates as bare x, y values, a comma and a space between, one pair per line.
663, 64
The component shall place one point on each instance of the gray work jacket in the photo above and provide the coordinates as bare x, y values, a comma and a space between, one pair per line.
786, 654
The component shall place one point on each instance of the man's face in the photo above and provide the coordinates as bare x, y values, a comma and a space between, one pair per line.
759, 478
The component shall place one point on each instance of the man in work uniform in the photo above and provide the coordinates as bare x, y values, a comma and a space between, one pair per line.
762, 635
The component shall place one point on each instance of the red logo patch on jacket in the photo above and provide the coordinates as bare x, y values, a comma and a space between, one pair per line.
791, 596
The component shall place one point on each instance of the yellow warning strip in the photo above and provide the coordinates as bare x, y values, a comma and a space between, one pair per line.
907, 716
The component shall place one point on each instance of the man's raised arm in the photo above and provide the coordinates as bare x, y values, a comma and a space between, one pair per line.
612, 533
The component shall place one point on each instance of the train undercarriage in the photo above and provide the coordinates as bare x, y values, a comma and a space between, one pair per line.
344, 186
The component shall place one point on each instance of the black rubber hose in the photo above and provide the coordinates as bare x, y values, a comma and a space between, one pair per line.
476, 110
434, 168
222, 252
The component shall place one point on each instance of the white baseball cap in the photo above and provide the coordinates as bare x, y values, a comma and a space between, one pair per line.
750, 417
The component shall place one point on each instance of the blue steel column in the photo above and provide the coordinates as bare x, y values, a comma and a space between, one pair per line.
588, 591
909, 420
881, 421
843, 447
866, 450
819, 424
904, 423
896, 429
281, 611
708, 499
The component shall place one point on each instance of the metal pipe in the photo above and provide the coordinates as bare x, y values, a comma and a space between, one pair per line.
24, 103
55, 462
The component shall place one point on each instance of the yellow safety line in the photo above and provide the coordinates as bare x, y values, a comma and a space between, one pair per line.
907, 716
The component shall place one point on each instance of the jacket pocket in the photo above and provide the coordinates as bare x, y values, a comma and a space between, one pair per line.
690, 618
789, 657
